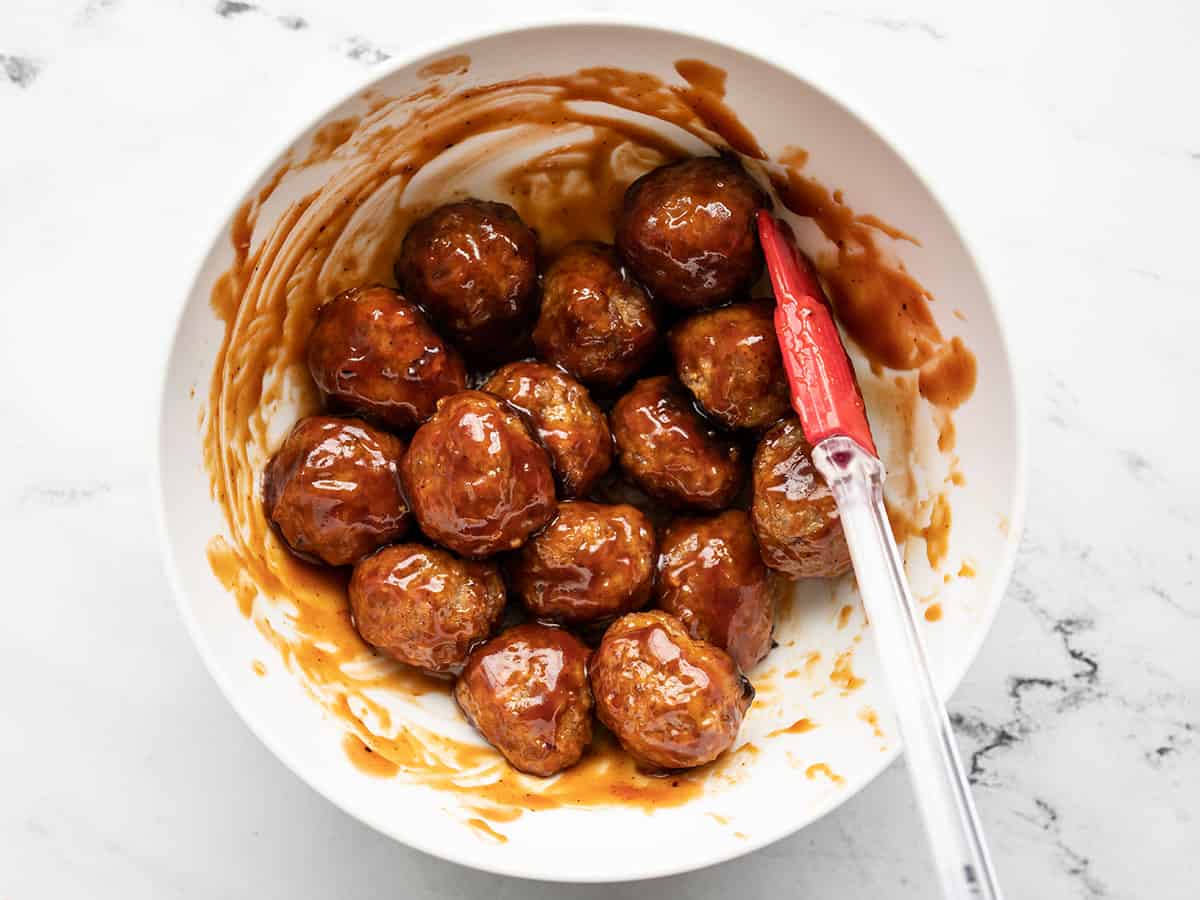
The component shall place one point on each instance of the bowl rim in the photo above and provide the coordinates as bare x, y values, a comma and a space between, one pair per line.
451, 42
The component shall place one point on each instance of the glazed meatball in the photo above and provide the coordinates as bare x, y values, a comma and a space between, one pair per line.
687, 231
669, 452
795, 516
373, 352
595, 322
672, 701
563, 416
712, 579
729, 359
592, 563
476, 479
527, 692
424, 606
333, 489
473, 265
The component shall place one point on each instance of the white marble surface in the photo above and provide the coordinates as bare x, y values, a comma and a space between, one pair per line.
1064, 135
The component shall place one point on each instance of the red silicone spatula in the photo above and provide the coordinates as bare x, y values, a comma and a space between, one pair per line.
826, 398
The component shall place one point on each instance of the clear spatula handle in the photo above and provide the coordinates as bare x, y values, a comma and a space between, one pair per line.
856, 479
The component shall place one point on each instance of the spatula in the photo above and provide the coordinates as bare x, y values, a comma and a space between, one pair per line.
826, 398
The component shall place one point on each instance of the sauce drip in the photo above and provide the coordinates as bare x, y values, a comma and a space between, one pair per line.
948, 378
367, 760
565, 166
843, 675
823, 769
937, 532
869, 716
459, 64
800, 726
487, 830
933, 613
702, 75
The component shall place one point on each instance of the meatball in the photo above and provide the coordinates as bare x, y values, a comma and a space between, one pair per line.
333, 489
795, 516
595, 322
672, 701
424, 606
669, 452
687, 231
729, 359
527, 692
476, 479
373, 352
563, 416
592, 563
473, 265
712, 579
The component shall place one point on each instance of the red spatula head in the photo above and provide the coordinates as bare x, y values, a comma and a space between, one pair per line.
824, 392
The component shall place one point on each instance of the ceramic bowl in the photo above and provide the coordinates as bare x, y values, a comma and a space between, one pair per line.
795, 777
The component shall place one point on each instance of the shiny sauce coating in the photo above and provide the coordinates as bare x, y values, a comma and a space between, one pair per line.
594, 562
670, 452
711, 578
673, 702
373, 352
527, 692
333, 489
476, 479
564, 418
348, 233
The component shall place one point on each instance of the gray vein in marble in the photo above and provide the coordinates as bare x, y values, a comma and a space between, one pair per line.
1164, 595
1137, 464
1064, 404
901, 25
1172, 745
361, 50
227, 9
95, 8
230, 9
1068, 628
1077, 865
355, 47
20, 70
64, 493
1081, 686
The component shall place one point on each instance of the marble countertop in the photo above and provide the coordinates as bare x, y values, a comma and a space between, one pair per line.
1062, 134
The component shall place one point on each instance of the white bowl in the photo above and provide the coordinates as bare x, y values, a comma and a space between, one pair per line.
764, 796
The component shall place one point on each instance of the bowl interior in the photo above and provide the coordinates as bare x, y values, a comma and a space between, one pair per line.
822, 638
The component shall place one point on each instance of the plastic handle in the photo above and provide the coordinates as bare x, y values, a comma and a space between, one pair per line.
960, 853
824, 392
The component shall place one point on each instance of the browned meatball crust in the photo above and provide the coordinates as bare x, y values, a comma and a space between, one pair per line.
527, 692
729, 359
672, 701
595, 322
668, 450
475, 478
333, 489
711, 578
687, 231
473, 265
592, 563
424, 606
564, 417
795, 515
373, 352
